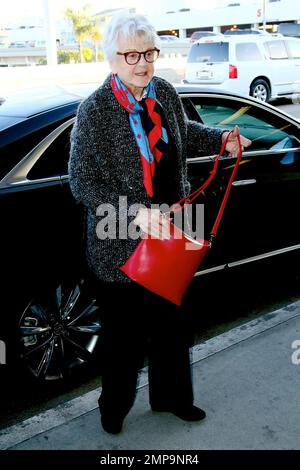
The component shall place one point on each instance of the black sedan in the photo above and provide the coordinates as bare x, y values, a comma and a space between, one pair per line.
49, 318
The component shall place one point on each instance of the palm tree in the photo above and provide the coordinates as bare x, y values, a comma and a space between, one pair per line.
95, 35
81, 25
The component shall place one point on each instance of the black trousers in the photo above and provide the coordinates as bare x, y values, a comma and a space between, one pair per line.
137, 323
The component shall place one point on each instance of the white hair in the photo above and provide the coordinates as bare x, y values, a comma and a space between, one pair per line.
128, 25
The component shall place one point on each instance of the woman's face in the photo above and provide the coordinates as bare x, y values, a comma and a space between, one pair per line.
135, 77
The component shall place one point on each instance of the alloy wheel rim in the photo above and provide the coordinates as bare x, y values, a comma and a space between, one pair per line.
60, 333
260, 93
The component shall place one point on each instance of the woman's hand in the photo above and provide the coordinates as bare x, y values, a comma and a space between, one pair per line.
232, 146
154, 223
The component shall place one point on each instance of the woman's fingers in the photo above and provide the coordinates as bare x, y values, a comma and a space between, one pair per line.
245, 142
154, 223
232, 146
158, 225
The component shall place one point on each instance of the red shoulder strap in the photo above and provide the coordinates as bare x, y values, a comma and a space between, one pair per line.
191, 197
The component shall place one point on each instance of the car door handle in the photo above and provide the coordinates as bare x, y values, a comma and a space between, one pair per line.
244, 182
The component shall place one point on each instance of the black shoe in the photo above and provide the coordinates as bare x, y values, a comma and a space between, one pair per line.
187, 413
111, 425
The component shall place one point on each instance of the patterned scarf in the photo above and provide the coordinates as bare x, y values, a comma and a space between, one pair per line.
157, 137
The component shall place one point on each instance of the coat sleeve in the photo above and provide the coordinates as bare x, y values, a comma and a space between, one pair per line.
204, 139
87, 176
91, 177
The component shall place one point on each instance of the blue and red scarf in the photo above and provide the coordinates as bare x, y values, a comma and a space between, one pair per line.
148, 144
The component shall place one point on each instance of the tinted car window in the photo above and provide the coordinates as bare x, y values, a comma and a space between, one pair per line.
209, 52
276, 50
12, 153
266, 130
289, 29
54, 161
232, 32
201, 34
247, 51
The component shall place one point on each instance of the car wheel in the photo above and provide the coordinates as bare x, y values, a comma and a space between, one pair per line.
260, 90
58, 331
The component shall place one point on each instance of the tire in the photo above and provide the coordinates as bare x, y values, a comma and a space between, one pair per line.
260, 90
58, 331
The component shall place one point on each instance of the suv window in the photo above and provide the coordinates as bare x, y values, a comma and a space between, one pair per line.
209, 52
276, 50
294, 47
247, 51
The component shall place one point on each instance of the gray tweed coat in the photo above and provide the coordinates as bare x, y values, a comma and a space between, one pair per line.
105, 164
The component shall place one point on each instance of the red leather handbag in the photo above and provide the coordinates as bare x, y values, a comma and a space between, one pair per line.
167, 267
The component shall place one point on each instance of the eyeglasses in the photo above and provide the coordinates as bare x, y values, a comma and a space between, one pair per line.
133, 57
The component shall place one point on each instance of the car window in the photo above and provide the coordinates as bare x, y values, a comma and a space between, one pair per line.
209, 52
266, 130
276, 50
13, 152
247, 51
294, 47
202, 34
54, 161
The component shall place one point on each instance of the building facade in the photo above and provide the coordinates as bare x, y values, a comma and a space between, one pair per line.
236, 14
179, 17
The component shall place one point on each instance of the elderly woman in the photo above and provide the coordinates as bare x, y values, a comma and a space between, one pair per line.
131, 140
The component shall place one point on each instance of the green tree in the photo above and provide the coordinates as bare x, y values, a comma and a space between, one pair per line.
68, 57
87, 54
81, 25
95, 35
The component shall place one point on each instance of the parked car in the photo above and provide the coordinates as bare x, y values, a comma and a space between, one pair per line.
262, 66
49, 317
168, 38
17, 44
202, 34
235, 31
289, 29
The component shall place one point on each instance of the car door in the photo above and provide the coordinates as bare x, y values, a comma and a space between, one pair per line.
281, 68
261, 217
46, 302
35, 230
294, 53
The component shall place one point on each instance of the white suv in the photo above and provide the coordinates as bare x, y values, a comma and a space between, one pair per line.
263, 66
